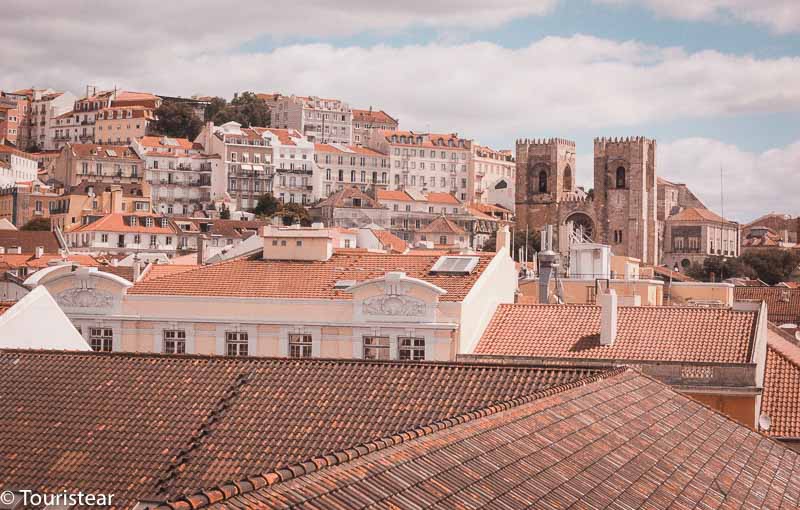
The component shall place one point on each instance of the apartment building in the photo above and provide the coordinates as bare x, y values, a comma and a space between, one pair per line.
295, 178
79, 125
491, 175
246, 168
366, 122
16, 166
14, 110
179, 173
342, 166
303, 298
125, 233
46, 106
426, 161
320, 120
696, 233
123, 124
113, 164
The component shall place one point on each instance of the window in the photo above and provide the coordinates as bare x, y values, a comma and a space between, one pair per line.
103, 238
412, 349
174, 341
542, 182
376, 347
442, 239
567, 179
236, 343
101, 339
620, 177
618, 237
299, 346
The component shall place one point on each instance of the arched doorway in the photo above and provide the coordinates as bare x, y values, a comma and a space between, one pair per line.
582, 224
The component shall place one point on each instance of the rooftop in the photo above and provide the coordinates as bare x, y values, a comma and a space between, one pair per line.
345, 196
147, 426
123, 222
617, 440
306, 279
644, 333
371, 115
29, 240
693, 214
98, 151
783, 304
782, 385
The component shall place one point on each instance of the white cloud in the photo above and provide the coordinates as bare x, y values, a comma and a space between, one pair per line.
781, 16
753, 183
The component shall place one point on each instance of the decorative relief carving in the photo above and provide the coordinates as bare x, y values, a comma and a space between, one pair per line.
394, 305
84, 298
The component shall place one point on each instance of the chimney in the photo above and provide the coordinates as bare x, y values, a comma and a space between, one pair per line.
116, 199
608, 317
503, 239
137, 269
15, 250
2, 250
201, 241
38, 252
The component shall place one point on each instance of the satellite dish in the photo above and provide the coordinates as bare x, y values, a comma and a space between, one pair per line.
764, 422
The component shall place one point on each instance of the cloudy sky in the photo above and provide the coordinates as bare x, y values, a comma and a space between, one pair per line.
716, 82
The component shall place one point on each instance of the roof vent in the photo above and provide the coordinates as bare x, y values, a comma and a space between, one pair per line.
343, 284
455, 265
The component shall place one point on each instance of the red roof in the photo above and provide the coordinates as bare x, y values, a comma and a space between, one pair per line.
28, 240
783, 304
644, 333
306, 280
145, 425
100, 151
121, 222
616, 440
694, 214
781, 397
373, 116
5, 305
386, 194
442, 225
158, 142
390, 241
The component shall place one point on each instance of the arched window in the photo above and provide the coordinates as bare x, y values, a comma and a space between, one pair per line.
352, 176
542, 182
620, 177
501, 184
567, 178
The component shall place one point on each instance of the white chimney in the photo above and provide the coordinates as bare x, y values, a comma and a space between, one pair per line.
2, 250
39, 251
608, 317
503, 239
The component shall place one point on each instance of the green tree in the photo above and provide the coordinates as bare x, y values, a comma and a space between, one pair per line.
246, 108
292, 213
224, 213
37, 223
267, 205
772, 266
216, 105
177, 119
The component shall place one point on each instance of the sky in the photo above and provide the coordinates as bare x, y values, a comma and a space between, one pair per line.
715, 82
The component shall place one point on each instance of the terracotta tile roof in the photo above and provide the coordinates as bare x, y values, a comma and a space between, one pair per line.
285, 136
158, 142
490, 208
442, 198
306, 280
617, 441
377, 116
386, 194
5, 305
644, 333
147, 425
229, 229
345, 196
11, 261
667, 273
98, 151
791, 285
29, 240
390, 241
783, 305
11, 150
442, 225
121, 271
159, 270
121, 222
782, 385
429, 140
697, 214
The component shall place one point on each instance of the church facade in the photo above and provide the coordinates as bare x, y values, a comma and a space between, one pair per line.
622, 210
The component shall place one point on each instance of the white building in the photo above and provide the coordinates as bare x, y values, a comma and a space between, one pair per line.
37, 322
343, 166
246, 168
295, 178
125, 233
318, 119
179, 173
46, 106
491, 176
16, 166
426, 161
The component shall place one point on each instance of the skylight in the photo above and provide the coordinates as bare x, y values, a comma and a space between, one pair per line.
455, 265
111, 153
343, 284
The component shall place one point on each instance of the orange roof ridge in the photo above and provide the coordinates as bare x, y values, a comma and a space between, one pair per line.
235, 488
